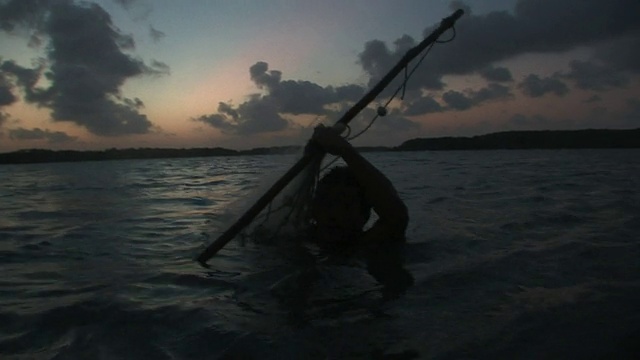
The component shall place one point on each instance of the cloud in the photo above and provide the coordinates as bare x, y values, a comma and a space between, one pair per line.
497, 74
219, 121
158, 68
394, 125
535, 86
125, 3
6, 98
22, 13
140, 10
377, 59
457, 100
536, 122
394, 121
88, 68
347, 93
297, 96
24, 77
6, 95
88, 65
632, 116
535, 27
594, 99
599, 118
589, 75
155, 34
4, 117
53, 137
264, 112
424, 105
257, 115
623, 53
492, 91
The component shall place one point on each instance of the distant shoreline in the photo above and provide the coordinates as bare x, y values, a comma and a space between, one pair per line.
543, 139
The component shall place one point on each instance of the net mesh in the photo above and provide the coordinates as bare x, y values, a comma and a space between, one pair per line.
289, 213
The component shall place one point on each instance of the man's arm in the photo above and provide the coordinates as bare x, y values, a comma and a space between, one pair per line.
379, 190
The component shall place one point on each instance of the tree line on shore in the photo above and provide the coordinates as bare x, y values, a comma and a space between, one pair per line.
545, 139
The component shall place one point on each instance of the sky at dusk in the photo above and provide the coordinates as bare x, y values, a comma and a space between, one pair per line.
243, 74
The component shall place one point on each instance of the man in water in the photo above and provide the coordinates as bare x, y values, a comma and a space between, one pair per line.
342, 205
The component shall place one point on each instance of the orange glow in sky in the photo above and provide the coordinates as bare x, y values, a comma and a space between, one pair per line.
189, 58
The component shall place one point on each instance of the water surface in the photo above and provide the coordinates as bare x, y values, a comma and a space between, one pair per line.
515, 254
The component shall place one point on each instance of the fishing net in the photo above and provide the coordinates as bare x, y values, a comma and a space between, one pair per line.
289, 213
285, 208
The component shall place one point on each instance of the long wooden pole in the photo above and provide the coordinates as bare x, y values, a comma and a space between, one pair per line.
265, 199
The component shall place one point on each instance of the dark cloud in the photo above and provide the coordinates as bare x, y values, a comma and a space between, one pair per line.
22, 13
301, 97
4, 117
155, 34
634, 104
535, 86
424, 105
536, 122
593, 99
257, 115
125, 3
27, 78
263, 112
262, 77
24, 17
348, 93
593, 76
88, 65
6, 98
219, 121
632, 116
377, 59
6, 95
493, 91
574, 22
623, 54
39, 134
140, 10
294, 97
24, 78
158, 68
497, 74
88, 68
457, 100
599, 118
535, 26
228, 110
394, 121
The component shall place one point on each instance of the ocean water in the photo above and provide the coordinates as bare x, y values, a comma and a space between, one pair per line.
515, 255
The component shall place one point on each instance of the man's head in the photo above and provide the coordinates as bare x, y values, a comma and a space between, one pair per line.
339, 202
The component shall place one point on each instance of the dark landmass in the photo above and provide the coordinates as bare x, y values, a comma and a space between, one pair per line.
551, 139
42, 156
546, 139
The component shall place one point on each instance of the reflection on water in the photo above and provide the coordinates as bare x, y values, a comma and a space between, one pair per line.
512, 253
